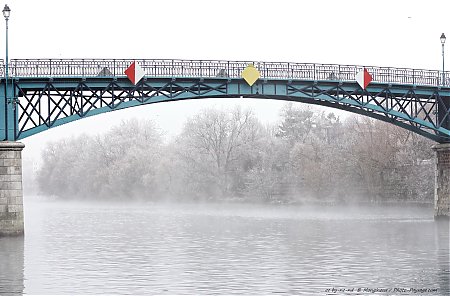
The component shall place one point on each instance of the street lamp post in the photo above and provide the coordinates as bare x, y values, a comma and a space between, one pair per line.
6, 12
443, 69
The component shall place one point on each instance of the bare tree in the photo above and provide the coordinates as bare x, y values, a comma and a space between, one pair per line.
214, 143
110, 166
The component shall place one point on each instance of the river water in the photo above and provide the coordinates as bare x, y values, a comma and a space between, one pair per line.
226, 249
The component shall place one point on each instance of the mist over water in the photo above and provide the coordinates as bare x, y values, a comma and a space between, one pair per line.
221, 248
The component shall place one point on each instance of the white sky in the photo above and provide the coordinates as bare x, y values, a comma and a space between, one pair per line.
395, 33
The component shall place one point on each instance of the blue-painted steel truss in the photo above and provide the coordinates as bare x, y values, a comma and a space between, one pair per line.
35, 102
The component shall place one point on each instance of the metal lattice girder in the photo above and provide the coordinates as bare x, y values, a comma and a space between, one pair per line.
45, 103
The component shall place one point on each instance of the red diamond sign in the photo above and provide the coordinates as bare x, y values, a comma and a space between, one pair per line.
135, 73
363, 78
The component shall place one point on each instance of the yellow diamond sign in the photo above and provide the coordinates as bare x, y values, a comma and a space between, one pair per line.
250, 74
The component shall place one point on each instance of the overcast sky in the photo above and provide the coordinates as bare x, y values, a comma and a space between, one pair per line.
372, 33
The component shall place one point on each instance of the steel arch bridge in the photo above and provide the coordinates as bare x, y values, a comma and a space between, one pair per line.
41, 94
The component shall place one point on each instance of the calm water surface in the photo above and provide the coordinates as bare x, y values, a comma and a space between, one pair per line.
225, 249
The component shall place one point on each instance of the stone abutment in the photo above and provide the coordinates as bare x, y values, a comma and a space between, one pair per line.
442, 182
11, 195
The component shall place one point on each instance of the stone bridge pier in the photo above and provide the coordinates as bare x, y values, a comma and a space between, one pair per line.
442, 183
11, 195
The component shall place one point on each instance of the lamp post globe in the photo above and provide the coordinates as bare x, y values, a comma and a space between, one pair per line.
6, 11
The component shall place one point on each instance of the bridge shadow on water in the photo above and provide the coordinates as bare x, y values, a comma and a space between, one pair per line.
11, 265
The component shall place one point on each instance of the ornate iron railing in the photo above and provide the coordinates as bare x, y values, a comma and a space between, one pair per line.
218, 68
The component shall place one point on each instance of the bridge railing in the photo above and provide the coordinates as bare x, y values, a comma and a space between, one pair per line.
217, 68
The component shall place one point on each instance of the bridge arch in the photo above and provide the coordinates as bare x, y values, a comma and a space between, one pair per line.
49, 93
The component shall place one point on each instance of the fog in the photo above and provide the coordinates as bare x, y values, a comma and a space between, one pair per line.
227, 154
81, 247
220, 200
230, 205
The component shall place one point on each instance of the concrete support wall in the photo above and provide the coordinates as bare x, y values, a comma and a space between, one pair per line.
442, 185
11, 196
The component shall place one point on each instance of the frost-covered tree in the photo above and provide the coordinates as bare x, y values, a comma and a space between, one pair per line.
266, 179
119, 164
228, 153
215, 145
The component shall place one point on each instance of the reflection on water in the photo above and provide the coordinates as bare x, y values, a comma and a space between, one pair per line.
442, 229
11, 265
230, 249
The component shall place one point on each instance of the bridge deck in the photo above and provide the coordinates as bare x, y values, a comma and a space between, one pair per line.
217, 68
